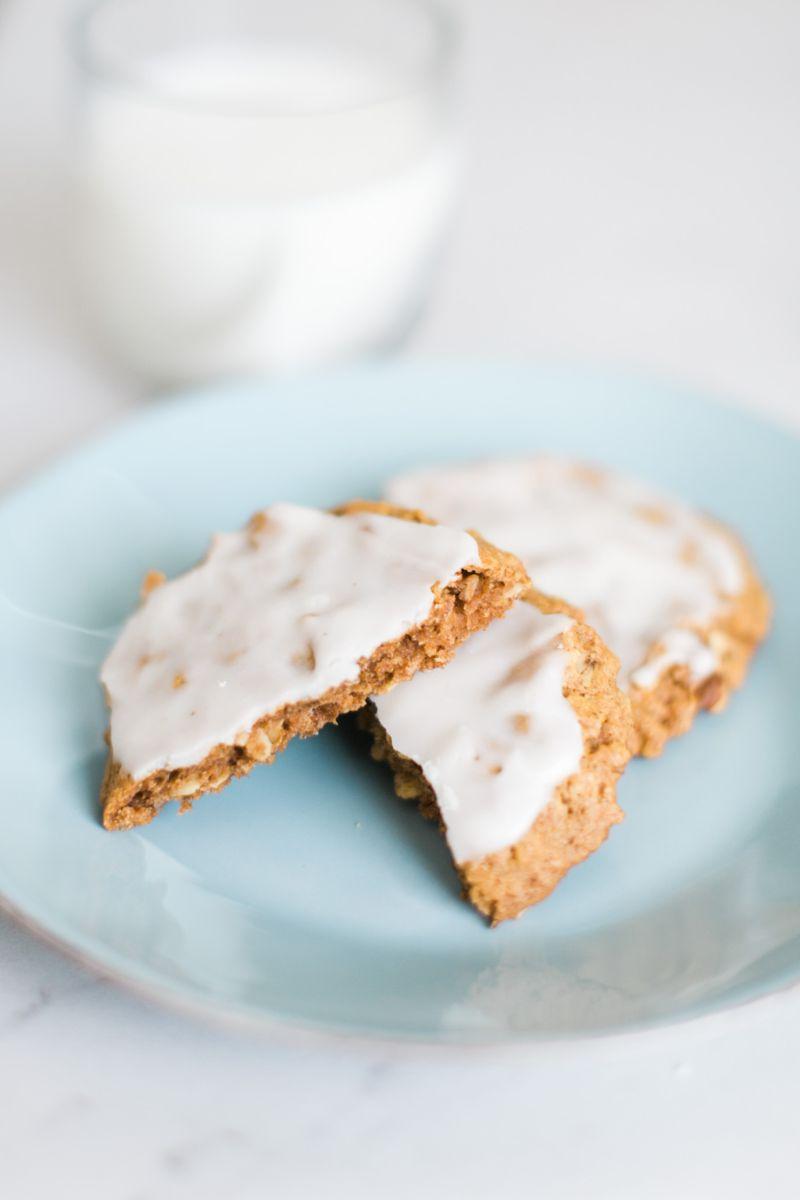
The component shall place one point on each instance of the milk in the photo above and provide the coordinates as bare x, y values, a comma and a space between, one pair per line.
254, 208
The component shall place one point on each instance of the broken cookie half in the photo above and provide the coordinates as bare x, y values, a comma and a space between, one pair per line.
515, 747
283, 627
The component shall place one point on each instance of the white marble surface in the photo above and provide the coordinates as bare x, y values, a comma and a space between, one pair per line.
633, 196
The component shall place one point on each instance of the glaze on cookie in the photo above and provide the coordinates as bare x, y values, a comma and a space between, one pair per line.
515, 746
671, 591
284, 626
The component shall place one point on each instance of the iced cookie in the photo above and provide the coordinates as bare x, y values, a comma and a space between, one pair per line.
671, 591
284, 626
516, 747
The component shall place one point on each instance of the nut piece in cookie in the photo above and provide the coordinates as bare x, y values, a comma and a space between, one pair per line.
516, 747
283, 627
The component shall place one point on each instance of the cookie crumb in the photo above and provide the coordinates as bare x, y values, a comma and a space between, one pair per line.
151, 581
256, 526
305, 658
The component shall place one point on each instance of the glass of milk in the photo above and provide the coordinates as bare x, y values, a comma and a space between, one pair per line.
263, 184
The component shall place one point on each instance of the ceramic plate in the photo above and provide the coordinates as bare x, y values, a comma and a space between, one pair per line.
307, 893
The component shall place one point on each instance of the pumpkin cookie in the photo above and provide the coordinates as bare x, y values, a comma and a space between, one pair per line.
515, 747
672, 591
283, 627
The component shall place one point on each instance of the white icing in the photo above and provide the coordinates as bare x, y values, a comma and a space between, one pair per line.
270, 617
645, 569
676, 646
498, 704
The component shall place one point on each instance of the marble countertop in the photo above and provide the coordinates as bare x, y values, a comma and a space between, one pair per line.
632, 196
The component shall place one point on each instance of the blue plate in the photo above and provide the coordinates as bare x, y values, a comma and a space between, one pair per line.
306, 892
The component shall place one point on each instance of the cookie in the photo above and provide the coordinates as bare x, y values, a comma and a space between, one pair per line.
284, 626
672, 591
515, 747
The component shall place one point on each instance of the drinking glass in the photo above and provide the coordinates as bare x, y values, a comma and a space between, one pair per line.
262, 184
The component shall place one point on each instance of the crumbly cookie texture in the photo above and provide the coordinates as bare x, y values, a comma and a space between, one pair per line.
672, 591
469, 601
583, 807
669, 706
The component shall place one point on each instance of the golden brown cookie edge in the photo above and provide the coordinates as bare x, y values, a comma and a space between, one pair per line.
668, 709
583, 809
478, 596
